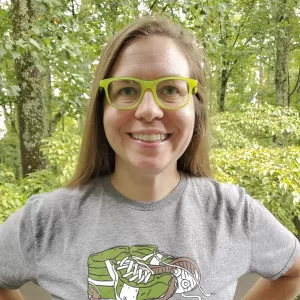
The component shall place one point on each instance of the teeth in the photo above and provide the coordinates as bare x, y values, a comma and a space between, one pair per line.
145, 137
149, 137
153, 137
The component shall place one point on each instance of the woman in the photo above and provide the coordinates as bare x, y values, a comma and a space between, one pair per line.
141, 219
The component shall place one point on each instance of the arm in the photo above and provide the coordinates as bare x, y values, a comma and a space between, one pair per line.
285, 287
10, 295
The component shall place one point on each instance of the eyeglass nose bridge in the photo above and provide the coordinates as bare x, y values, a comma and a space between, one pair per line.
149, 86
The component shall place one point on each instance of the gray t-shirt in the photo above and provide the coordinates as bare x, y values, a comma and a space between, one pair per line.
92, 242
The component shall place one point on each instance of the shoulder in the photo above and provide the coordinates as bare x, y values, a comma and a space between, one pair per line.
64, 200
220, 200
212, 189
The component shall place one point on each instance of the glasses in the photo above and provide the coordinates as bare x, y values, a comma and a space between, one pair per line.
169, 92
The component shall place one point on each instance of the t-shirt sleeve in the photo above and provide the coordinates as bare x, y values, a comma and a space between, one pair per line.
17, 249
274, 248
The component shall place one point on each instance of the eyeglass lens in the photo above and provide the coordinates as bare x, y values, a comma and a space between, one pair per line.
171, 93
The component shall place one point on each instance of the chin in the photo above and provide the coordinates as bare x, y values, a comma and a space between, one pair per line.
152, 167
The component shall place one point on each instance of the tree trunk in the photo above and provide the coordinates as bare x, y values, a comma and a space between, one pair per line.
30, 106
224, 80
282, 53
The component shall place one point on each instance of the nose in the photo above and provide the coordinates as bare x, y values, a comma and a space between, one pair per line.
148, 108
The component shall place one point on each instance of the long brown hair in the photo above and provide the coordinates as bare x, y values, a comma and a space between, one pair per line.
96, 156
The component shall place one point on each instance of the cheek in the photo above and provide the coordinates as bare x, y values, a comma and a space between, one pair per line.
106, 118
110, 124
186, 117
114, 121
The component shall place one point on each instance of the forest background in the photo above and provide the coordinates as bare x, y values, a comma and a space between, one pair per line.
48, 53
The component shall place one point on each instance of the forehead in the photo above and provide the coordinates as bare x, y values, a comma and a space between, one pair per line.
150, 58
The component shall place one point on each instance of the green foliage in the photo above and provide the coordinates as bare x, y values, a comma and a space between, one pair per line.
11, 198
61, 151
38, 182
269, 175
10, 155
245, 154
252, 124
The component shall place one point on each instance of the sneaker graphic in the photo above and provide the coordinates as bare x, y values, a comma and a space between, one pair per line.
139, 273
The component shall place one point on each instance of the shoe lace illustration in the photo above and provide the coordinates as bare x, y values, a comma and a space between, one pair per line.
135, 270
188, 272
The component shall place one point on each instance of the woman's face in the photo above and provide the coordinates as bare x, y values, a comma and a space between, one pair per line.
149, 58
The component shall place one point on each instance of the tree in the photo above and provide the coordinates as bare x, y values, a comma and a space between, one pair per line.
227, 30
282, 15
30, 106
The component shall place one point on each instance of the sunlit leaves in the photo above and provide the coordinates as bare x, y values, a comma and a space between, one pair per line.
270, 175
258, 148
61, 151
259, 125
11, 198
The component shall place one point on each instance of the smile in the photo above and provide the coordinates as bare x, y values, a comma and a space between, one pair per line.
155, 137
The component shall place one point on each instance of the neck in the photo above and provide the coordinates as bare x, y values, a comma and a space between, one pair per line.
144, 187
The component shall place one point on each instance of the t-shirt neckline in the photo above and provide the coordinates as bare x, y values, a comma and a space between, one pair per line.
171, 198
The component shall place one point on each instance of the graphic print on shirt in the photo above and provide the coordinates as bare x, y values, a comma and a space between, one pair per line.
141, 272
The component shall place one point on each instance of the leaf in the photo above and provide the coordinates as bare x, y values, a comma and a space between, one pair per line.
40, 67
8, 46
265, 180
56, 21
15, 90
15, 54
21, 43
2, 51
34, 43
47, 41
37, 29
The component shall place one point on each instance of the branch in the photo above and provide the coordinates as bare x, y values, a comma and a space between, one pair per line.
54, 121
164, 8
220, 23
296, 84
242, 24
172, 13
152, 6
232, 67
249, 39
73, 9
5, 102
194, 16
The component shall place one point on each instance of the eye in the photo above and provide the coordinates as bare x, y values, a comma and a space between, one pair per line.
170, 90
128, 91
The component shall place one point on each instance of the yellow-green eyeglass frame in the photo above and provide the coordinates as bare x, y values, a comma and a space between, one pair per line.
150, 85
